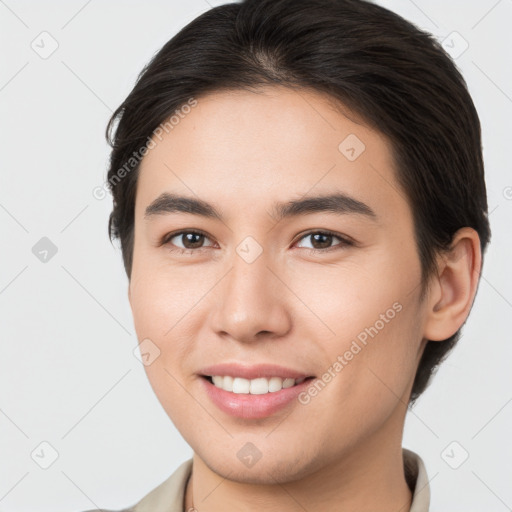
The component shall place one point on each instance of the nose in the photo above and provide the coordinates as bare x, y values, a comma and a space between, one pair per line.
251, 302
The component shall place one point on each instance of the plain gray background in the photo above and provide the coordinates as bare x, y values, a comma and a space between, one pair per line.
68, 375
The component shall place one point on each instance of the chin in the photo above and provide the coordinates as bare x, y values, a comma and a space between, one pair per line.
270, 469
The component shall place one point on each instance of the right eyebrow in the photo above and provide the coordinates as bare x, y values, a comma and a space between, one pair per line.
172, 203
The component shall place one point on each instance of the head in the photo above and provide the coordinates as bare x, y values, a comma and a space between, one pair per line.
266, 102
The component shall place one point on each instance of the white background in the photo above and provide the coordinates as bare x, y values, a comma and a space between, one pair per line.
68, 375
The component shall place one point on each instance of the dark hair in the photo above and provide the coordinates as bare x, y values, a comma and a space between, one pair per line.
395, 77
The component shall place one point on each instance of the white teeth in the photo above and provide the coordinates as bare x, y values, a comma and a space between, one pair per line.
259, 386
218, 381
288, 383
275, 384
227, 383
241, 385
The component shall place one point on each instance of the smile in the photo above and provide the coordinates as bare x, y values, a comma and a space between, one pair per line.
252, 399
259, 386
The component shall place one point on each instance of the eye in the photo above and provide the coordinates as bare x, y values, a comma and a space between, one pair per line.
322, 240
191, 241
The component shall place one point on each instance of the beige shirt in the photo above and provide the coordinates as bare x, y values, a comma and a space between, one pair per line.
169, 495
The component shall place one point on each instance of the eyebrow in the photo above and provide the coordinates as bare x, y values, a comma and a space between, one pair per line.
339, 203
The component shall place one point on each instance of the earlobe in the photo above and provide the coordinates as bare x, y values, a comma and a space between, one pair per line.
454, 288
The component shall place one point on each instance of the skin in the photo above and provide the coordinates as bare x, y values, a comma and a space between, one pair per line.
241, 151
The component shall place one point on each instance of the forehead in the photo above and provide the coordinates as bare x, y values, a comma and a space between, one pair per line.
242, 148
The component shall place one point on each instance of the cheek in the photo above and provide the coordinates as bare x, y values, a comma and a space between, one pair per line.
371, 378
343, 300
159, 316
163, 297
367, 322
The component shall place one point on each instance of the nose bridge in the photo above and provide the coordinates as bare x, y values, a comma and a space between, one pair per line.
250, 298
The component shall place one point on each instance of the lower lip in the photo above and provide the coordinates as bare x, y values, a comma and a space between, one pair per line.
244, 405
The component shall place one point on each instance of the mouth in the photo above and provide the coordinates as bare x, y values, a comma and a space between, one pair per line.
253, 391
258, 386
253, 399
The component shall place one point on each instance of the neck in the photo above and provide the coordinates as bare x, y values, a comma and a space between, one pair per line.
370, 477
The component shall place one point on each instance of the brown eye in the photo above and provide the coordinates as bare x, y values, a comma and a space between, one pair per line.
322, 241
192, 240
185, 240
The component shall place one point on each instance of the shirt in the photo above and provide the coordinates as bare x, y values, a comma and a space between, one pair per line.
169, 495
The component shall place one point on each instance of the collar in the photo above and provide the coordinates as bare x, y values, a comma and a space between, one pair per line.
417, 479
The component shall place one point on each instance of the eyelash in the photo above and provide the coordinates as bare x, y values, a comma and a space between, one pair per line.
344, 241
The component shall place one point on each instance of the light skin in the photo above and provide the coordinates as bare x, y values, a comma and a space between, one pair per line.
241, 152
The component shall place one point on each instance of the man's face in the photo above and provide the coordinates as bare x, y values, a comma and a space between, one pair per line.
256, 289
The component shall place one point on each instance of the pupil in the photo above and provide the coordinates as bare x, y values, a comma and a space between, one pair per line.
326, 243
187, 239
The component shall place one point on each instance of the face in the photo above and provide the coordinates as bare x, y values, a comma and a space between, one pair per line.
326, 289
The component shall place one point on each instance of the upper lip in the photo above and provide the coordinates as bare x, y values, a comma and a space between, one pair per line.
253, 371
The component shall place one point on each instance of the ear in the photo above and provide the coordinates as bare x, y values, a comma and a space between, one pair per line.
454, 287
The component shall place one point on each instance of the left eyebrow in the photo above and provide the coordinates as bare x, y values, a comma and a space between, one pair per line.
339, 203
